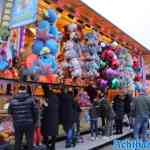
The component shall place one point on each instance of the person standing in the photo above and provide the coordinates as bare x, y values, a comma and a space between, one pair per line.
94, 118
127, 107
25, 115
118, 107
67, 115
107, 115
50, 119
141, 112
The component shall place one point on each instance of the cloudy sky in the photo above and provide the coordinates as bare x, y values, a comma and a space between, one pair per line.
132, 16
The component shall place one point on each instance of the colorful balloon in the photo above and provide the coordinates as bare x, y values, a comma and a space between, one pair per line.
138, 77
115, 83
115, 63
111, 73
102, 84
102, 64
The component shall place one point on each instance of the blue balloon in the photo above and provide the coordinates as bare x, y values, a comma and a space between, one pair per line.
3, 64
53, 46
37, 47
51, 15
43, 25
54, 31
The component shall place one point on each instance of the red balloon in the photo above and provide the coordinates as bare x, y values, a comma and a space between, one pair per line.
108, 55
115, 64
138, 77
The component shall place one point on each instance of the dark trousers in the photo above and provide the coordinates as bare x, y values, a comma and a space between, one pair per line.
119, 125
94, 127
46, 141
20, 131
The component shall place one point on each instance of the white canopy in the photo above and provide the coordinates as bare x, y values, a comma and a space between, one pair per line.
132, 16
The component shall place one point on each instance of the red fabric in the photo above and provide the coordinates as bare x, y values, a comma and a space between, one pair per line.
37, 136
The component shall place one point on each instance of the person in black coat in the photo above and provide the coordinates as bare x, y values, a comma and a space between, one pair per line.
25, 115
127, 107
118, 107
67, 117
50, 119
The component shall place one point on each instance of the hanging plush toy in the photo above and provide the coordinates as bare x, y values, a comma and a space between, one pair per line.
37, 46
43, 30
50, 16
3, 64
53, 46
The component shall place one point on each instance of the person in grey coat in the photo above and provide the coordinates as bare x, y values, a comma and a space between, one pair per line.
141, 111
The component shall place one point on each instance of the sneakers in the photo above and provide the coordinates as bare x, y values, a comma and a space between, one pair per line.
93, 138
105, 137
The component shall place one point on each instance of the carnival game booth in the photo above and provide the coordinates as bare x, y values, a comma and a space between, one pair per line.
55, 42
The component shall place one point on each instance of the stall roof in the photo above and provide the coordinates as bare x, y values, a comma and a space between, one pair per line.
88, 16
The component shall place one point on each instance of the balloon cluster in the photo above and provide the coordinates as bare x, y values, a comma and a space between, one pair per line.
109, 64
45, 47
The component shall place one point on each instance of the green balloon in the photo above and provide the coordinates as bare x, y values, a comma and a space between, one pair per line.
102, 64
115, 83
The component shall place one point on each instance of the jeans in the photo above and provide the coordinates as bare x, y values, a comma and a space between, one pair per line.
20, 131
140, 127
94, 127
119, 124
109, 127
69, 136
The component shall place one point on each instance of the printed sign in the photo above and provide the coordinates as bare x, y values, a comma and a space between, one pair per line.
23, 13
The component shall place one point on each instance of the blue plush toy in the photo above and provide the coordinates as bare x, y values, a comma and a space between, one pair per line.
37, 47
54, 31
51, 16
3, 64
48, 60
43, 30
53, 46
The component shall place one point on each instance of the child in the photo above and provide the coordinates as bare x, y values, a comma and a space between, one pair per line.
37, 132
94, 119
3, 143
77, 112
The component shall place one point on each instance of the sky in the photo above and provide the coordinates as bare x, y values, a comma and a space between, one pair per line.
132, 16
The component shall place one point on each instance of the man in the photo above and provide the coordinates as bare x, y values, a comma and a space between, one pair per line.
118, 107
141, 111
24, 114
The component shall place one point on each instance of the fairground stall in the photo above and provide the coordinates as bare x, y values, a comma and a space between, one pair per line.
66, 43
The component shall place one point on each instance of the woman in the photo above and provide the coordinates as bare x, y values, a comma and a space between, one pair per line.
67, 115
50, 119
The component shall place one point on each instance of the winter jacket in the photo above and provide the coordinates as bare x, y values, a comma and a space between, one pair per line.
127, 103
77, 111
50, 116
118, 106
94, 110
66, 110
105, 109
141, 106
23, 109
